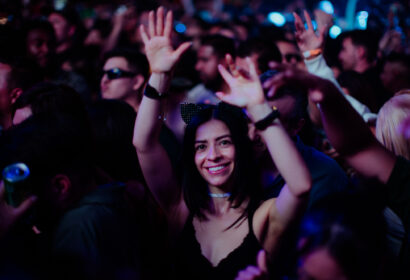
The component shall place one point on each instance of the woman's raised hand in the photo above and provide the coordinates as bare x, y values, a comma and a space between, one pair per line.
158, 47
245, 88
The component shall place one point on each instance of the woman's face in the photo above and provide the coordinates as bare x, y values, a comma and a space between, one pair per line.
214, 153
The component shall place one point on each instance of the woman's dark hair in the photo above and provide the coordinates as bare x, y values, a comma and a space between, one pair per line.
245, 183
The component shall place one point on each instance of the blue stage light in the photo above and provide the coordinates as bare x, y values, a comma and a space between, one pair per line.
327, 7
335, 31
180, 28
361, 19
277, 19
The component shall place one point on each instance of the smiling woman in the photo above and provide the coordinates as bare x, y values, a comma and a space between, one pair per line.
217, 158
215, 213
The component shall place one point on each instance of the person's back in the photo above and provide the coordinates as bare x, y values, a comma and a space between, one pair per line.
92, 226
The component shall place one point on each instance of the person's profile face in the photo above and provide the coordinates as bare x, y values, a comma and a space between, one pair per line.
214, 153
347, 55
207, 65
119, 88
61, 26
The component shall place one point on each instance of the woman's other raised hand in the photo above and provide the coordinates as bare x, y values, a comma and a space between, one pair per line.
245, 87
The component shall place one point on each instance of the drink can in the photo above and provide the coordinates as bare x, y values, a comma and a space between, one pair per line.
15, 177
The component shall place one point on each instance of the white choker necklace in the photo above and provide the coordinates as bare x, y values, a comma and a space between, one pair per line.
220, 195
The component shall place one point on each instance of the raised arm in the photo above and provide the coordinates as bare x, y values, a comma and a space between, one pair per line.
310, 44
154, 161
346, 130
272, 217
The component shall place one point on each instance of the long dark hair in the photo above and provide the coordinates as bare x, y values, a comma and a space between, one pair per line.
245, 183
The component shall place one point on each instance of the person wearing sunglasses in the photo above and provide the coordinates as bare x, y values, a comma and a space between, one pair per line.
123, 76
290, 53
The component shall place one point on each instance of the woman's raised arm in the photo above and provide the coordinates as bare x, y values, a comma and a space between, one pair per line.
154, 161
271, 218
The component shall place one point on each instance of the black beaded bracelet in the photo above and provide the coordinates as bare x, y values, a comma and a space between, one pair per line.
152, 93
266, 121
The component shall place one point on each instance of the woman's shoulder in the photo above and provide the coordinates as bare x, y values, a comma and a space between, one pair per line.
265, 208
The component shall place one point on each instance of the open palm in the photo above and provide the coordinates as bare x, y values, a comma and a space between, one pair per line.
307, 39
160, 54
245, 88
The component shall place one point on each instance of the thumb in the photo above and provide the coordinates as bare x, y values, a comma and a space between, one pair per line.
261, 261
25, 205
182, 48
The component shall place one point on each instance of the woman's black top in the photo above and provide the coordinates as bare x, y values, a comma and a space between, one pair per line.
191, 264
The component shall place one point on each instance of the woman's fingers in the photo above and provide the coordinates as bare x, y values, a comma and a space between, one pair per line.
144, 35
252, 69
168, 24
160, 21
151, 24
225, 74
231, 65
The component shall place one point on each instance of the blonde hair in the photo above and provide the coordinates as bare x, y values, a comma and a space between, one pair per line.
390, 116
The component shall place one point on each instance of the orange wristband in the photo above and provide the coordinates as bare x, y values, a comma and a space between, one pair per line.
312, 53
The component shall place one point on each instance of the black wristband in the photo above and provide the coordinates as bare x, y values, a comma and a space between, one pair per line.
266, 121
152, 93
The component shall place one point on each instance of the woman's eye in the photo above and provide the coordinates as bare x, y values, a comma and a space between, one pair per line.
225, 142
200, 147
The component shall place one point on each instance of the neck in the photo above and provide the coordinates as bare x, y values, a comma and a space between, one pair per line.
220, 205
133, 102
362, 66
6, 121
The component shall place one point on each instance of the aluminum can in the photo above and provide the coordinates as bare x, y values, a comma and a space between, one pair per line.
15, 177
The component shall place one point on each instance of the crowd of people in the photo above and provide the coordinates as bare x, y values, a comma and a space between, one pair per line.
196, 140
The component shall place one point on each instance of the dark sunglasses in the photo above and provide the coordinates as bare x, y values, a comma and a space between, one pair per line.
116, 73
290, 56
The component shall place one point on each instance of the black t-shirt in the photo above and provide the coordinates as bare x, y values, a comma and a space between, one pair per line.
398, 199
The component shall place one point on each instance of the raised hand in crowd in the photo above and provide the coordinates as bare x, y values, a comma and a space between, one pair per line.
157, 41
162, 57
9, 214
345, 129
323, 19
245, 87
308, 39
246, 92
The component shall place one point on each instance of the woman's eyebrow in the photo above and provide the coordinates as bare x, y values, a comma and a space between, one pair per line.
217, 138
223, 136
